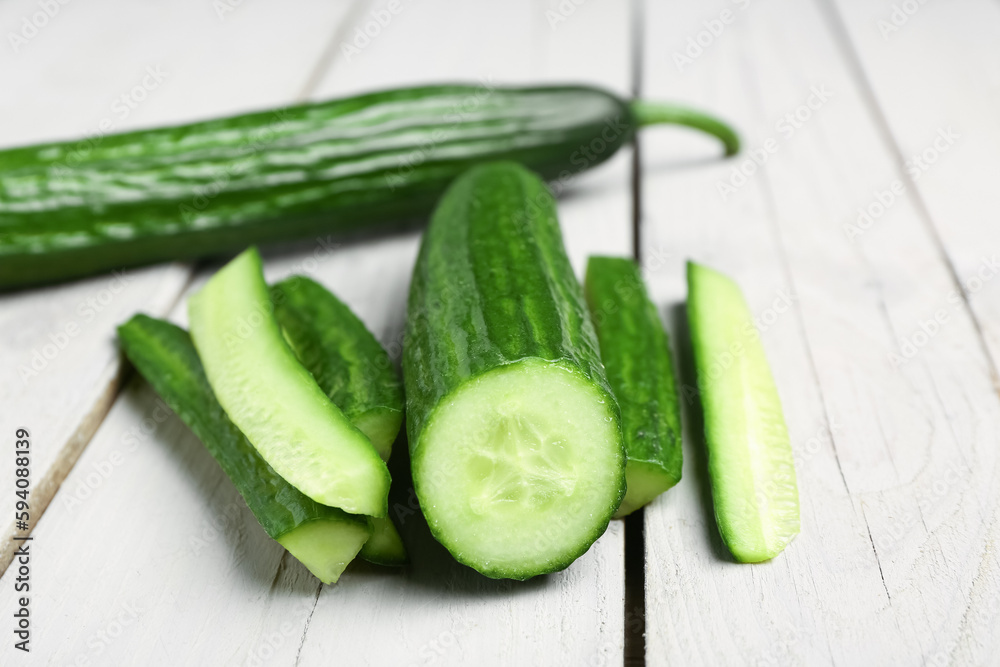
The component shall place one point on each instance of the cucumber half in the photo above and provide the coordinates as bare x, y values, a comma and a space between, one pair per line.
750, 459
274, 400
512, 469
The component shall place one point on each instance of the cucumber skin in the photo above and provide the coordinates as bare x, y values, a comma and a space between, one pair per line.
635, 349
492, 286
717, 310
164, 354
214, 186
344, 357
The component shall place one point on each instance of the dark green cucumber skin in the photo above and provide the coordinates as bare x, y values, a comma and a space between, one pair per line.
492, 285
164, 354
635, 349
75, 208
334, 345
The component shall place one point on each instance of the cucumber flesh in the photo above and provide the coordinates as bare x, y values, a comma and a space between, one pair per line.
635, 350
750, 460
323, 538
327, 547
513, 467
385, 546
346, 360
274, 400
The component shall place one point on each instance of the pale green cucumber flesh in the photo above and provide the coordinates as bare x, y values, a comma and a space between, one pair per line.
514, 471
385, 546
750, 460
326, 547
274, 400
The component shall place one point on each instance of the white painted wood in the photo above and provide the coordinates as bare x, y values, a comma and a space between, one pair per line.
894, 563
173, 63
211, 590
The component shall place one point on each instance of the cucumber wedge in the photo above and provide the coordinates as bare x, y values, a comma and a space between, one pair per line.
514, 436
385, 546
323, 538
353, 369
346, 360
750, 458
274, 400
636, 354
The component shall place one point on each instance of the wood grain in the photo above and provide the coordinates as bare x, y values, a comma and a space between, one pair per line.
895, 461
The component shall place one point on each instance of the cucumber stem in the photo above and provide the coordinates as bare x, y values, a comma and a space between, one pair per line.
655, 113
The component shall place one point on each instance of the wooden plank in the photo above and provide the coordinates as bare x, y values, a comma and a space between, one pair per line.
61, 366
896, 464
202, 572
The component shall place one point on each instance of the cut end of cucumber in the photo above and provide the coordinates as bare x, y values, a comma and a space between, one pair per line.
520, 471
644, 481
385, 546
326, 547
381, 425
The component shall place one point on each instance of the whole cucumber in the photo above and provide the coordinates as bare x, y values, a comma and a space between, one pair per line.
75, 208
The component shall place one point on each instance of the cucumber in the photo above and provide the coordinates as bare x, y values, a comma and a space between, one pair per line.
69, 209
346, 360
514, 436
323, 538
354, 371
385, 546
274, 400
750, 459
636, 355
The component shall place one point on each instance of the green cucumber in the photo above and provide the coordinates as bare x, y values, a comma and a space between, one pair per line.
636, 355
73, 208
347, 361
750, 459
274, 400
385, 546
354, 371
323, 538
514, 436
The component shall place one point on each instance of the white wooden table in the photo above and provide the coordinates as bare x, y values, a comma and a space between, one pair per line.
867, 196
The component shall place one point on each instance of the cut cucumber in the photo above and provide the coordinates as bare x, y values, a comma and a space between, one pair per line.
750, 458
344, 357
354, 370
636, 354
323, 538
385, 546
274, 400
515, 440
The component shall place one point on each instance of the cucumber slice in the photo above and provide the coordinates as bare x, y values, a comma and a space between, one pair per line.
323, 538
750, 458
636, 354
274, 400
344, 357
385, 546
514, 436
